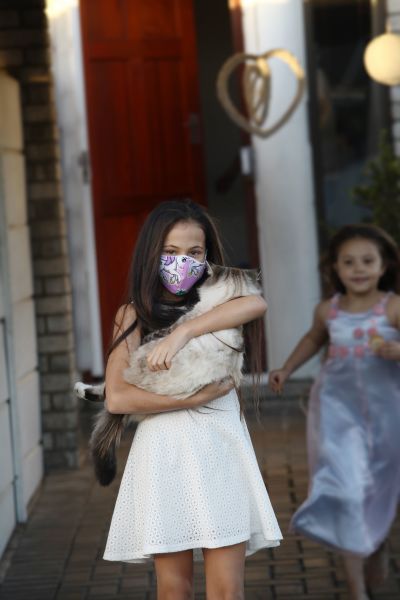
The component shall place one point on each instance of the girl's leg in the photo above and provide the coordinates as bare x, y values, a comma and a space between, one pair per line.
224, 569
377, 566
174, 573
354, 567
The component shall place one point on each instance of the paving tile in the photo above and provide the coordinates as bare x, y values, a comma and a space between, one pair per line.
58, 554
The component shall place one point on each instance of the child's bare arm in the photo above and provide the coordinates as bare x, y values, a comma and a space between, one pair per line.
311, 342
390, 350
226, 316
393, 310
307, 347
124, 398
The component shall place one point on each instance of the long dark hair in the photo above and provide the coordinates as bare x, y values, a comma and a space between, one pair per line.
388, 249
144, 288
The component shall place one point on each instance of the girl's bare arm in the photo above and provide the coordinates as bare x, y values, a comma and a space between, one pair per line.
393, 310
124, 398
307, 347
226, 316
390, 350
311, 342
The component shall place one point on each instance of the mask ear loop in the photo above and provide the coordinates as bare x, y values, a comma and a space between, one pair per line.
208, 266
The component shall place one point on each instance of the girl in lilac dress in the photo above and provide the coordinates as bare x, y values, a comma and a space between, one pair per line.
354, 414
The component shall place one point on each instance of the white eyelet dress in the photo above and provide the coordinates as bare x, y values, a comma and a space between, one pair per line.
191, 481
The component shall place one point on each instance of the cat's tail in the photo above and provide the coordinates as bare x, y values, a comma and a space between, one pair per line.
106, 434
104, 442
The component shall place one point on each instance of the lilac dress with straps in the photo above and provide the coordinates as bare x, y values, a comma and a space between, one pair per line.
353, 436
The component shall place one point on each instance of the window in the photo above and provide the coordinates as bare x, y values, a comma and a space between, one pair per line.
347, 108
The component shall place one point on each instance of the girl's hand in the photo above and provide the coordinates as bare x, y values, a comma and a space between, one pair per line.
212, 391
277, 379
161, 356
389, 350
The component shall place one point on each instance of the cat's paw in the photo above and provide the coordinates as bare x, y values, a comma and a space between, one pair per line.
93, 393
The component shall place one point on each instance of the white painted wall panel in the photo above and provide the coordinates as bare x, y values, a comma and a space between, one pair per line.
25, 337
32, 472
14, 188
7, 517
29, 414
1, 295
7, 509
6, 470
20, 448
10, 116
20, 265
4, 391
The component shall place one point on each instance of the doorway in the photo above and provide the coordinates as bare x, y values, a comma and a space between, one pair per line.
156, 129
225, 186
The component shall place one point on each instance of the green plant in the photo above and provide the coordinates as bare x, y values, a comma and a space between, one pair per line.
381, 192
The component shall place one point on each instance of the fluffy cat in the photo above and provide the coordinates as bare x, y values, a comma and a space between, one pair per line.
204, 359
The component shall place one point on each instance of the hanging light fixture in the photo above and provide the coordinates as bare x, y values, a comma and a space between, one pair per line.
382, 59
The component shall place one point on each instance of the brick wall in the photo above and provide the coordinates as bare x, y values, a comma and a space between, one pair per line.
24, 54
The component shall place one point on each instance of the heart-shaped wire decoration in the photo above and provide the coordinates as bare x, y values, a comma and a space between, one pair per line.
256, 83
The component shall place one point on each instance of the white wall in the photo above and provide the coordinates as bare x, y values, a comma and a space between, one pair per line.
67, 65
7, 503
284, 186
393, 10
20, 433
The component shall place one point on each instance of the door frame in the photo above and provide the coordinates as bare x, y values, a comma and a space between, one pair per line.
65, 32
236, 17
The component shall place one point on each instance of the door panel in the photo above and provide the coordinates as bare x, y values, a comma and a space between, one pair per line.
144, 129
118, 235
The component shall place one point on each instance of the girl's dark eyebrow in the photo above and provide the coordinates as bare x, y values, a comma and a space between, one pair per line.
348, 256
172, 246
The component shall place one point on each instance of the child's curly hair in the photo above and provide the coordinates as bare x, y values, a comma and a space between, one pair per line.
388, 249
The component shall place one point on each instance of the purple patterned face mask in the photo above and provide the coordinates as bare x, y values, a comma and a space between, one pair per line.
179, 273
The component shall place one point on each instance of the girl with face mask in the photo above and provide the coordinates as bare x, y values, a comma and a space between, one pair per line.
191, 486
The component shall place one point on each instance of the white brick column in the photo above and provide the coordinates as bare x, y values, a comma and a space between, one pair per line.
284, 186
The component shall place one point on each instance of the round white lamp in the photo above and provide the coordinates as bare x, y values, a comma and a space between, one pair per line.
382, 59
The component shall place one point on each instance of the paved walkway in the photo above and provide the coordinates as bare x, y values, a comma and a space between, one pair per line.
57, 555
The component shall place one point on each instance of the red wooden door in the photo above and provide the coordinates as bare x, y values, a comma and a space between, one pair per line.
143, 114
